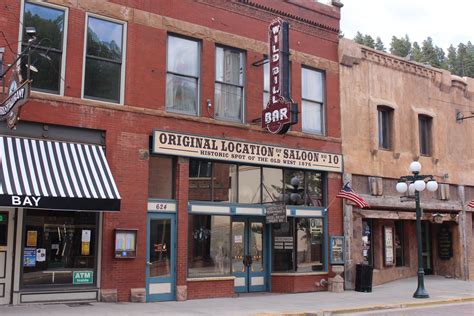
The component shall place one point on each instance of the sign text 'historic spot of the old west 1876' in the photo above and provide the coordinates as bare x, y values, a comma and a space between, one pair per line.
280, 112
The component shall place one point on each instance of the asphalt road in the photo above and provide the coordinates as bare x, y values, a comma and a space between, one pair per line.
460, 309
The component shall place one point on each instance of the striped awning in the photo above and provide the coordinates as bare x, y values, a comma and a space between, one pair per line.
55, 175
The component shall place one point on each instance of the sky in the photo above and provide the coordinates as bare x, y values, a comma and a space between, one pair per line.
446, 22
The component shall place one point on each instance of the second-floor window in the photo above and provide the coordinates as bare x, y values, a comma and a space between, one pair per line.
182, 77
312, 86
47, 56
266, 84
424, 124
104, 65
385, 117
229, 86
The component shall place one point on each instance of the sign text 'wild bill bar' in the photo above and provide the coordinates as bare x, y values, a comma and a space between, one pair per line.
170, 143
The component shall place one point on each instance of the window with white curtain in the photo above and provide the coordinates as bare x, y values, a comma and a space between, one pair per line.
312, 86
182, 78
229, 88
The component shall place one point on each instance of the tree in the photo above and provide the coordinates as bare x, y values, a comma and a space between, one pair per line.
430, 53
416, 52
359, 38
452, 60
379, 44
369, 41
400, 46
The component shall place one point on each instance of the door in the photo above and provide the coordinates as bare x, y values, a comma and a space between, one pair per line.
161, 257
248, 260
6, 248
426, 247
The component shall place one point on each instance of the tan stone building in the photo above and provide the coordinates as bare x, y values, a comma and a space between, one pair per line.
395, 111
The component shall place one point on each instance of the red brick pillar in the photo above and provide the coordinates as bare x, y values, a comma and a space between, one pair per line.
182, 186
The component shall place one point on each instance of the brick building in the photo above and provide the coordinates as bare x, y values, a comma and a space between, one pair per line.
152, 109
396, 111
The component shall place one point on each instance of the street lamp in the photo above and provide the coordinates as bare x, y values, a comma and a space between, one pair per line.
415, 184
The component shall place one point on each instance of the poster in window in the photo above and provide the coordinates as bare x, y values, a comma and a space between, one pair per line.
388, 245
29, 257
31, 238
337, 249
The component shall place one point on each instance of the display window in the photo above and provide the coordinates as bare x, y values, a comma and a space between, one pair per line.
59, 248
209, 245
298, 245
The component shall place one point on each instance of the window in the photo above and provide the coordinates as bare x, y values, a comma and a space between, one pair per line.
266, 84
385, 116
104, 65
161, 177
229, 89
399, 244
254, 184
56, 244
182, 76
47, 57
424, 123
367, 248
298, 245
208, 245
312, 82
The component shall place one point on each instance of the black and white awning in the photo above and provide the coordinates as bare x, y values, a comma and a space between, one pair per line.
55, 175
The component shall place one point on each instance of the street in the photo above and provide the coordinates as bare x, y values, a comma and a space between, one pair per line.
439, 310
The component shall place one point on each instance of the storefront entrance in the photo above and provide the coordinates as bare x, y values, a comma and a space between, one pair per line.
6, 248
426, 245
248, 258
161, 257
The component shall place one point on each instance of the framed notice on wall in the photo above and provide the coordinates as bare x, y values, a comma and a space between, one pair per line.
125, 243
337, 249
388, 245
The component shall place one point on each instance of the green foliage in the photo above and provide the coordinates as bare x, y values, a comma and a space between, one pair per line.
458, 60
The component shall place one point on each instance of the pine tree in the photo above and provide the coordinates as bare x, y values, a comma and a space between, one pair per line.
369, 41
359, 39
416, 52
379, 44
430, 54
400, 46
452, 61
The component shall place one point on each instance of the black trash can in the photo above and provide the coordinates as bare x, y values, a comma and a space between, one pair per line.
363, 278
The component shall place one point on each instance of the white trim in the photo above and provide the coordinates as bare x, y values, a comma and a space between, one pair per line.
8, 259
124, 57
210, 209
161, 207
239, 282
249, 211
317, 213
205, 279
62, 74
296, 274
159, 288
53, 297
260, 280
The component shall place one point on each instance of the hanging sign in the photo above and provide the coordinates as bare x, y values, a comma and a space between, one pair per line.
280, 113
275, 214
18, 94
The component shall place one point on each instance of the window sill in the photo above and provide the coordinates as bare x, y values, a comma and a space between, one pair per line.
207, 279
298, 273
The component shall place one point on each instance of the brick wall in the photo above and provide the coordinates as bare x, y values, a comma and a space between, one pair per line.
128, 127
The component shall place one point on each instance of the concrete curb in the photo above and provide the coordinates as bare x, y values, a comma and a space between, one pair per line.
367, 308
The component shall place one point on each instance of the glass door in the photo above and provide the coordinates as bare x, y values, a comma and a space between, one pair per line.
161, 257
6, 248
248, 265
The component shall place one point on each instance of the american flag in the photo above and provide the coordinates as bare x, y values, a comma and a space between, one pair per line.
471, 204
347, 193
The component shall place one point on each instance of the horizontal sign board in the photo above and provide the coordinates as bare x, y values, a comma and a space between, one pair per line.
170, 143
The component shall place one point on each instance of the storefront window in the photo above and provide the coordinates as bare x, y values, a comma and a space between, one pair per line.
224, 182
57, 246
298, 245
310, 241
249, 184
294, 187
160, 177
314, 188
200, 180
399, 249
208, 245
367, 249
272, 185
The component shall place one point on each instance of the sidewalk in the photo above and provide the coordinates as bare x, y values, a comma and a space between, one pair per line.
395, 294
